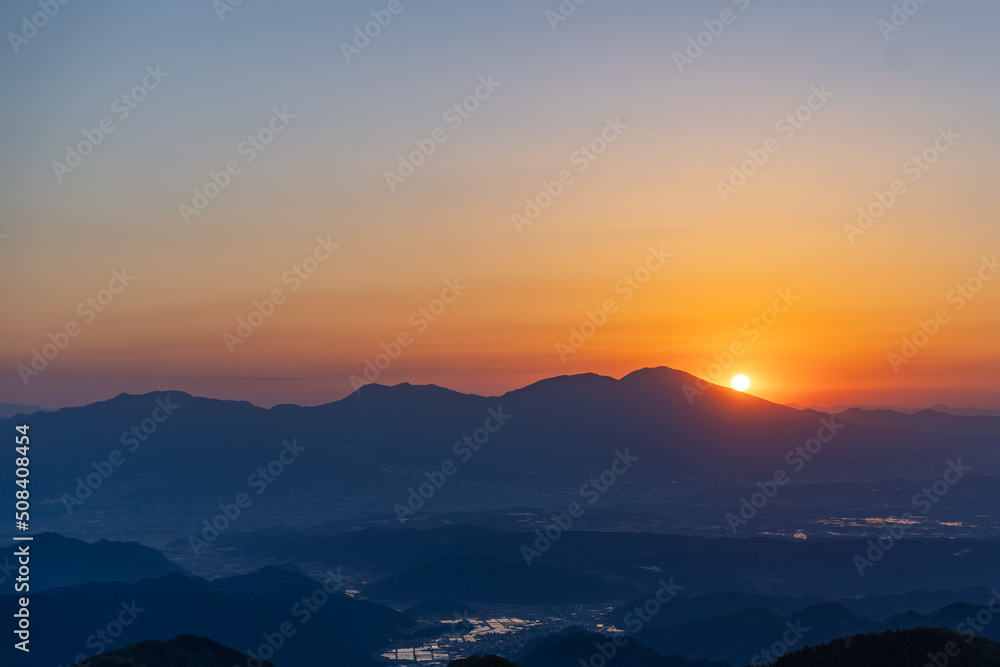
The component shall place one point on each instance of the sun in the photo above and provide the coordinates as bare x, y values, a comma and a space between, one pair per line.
741, 383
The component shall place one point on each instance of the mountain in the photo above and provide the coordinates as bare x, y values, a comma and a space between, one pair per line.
907, 648
947, 409
11, 409
490, 660
882, 607
571, 649
268, 581
384, 450
875, 607
307, 620
924, 420
62, 561
966, 412
182, 651
621, 566
749, 631
683, 609
955, 615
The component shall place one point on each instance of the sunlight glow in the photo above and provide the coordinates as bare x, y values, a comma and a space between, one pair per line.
741, 383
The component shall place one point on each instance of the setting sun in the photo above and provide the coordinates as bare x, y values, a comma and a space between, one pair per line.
741, 383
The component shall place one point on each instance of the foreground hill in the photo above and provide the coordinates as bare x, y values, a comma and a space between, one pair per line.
182, 651
907, 648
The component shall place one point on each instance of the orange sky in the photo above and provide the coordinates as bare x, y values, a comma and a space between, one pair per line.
655, 184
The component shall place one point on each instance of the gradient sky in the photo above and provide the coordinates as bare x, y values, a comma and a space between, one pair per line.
655, 185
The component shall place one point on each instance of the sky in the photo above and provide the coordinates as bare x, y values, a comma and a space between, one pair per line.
260, 201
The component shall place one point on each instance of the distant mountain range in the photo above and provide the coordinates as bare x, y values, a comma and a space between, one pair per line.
946, 409
474, 564
574, 646
926, 645
279, 611
432, 501
903, 607
753, 629
309, 619
408, 450
924, 420
59, 561
11, 409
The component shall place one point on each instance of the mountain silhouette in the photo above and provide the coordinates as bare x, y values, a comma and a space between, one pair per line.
181, 651
63, 561
920, 646
235, 611
821, 568
570, 649
752, 630
384, 443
